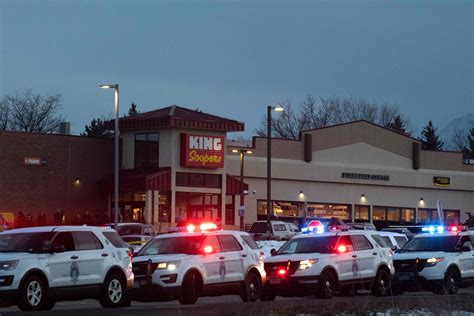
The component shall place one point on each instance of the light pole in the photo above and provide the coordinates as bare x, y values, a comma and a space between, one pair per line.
242, 195
269, 166
116, 136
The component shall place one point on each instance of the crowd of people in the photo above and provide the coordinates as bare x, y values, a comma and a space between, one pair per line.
27, 220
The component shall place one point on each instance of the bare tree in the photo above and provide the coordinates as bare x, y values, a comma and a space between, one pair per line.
332, 110
459, 139
30, 112
5, 116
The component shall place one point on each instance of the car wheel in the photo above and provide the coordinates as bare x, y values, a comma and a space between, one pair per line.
113, 292
32, 294
381, 286
48, 305
190, 290
267, 296
252, 288
327, 286
450, 284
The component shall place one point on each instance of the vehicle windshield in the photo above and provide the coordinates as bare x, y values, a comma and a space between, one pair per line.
25, 242
259, 228
321, 244
173, 245
125, 230
431, 243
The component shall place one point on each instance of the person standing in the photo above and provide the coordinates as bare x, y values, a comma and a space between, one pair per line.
41, 221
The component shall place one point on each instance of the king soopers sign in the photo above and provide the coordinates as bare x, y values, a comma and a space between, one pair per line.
202, 151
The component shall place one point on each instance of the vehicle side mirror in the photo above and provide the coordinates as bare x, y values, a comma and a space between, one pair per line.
394, 248
273, 252
466, 248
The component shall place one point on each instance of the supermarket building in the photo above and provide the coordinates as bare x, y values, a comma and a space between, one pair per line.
177, 164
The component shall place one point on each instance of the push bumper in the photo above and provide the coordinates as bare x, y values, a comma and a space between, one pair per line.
8, 297
292, 286
412, 281
145, 290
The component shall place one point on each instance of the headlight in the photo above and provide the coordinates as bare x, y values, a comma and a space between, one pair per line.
431, 262
306, 264
8, 265
171, 266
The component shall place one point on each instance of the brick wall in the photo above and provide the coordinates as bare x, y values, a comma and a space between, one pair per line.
49, 187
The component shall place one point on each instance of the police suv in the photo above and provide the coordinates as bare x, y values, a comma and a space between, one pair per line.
201, 262
39, 266
326, 262
439, 259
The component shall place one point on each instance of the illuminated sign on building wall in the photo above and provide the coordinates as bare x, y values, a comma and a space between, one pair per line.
202, 151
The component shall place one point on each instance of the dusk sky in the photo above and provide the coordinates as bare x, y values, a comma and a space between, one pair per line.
232, 58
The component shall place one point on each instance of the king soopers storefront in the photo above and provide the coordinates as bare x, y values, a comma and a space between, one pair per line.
176, 164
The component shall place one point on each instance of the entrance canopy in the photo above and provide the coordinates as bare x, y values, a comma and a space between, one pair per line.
140, 180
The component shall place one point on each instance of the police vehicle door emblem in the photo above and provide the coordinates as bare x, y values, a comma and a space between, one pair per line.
74, 272
222, 270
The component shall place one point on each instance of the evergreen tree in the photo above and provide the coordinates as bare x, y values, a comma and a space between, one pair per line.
133, 109
430, 139
97, 129
397, 124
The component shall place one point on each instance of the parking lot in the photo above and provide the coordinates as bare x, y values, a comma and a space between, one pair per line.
416, 303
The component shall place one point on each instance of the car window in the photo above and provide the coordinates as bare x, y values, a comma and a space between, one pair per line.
211, 240
388, 241
151, 230
125, 230
86, 241
115, 239
346, 241
173, 245
259, 227
323, 244
472, 239
229, 243
361, 242
465, 241
381, 241
64, 239
24, 242
250, 242
401, 241
432, 243
279, 227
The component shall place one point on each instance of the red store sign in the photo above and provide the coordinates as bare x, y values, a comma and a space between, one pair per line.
202, 151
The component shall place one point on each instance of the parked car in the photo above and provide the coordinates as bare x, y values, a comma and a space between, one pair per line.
42, 265
401, 230
281, 230
393, 240
361, 226
135, 234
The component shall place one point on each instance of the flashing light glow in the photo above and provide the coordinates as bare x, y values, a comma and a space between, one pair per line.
281, 272
342, 248
454, 229
208, 226
431, 229
304, 230
191, 228
333, 227
440, 229
208, 249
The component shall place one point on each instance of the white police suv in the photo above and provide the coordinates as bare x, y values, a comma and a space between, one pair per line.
439, 259
201, 262
326, 262
41, 265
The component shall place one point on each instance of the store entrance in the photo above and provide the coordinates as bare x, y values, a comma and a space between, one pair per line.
199, 213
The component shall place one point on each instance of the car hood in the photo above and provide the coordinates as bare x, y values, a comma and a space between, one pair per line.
162, 258
294, 257
8, 256
420, 255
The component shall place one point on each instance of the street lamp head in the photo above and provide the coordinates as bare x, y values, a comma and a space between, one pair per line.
235, 151
249, 152
279, 108
109, 86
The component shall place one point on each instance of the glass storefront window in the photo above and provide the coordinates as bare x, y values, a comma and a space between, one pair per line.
139, 196
379, 213
164, 208
229, 209
361, 212
452, 216
198, 206
423, 215
393, 214
279, 208
408, 215
198, 180
147, 147
325, 210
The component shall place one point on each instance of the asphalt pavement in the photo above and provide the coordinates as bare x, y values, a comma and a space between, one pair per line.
417, 303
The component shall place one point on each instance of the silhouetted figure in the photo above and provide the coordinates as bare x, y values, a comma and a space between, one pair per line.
20, 220
77, 219
58, 217
29, 220
41, 221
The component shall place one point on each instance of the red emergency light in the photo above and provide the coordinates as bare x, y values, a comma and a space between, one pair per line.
281, 272
342, 249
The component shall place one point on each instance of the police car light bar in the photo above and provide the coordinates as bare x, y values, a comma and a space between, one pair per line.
441, 229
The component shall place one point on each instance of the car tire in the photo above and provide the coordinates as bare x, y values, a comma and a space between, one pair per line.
32, 295
252, 288
190, 290
48, 304
450, 284
327, 285
381, 286
267, 296
113, 292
